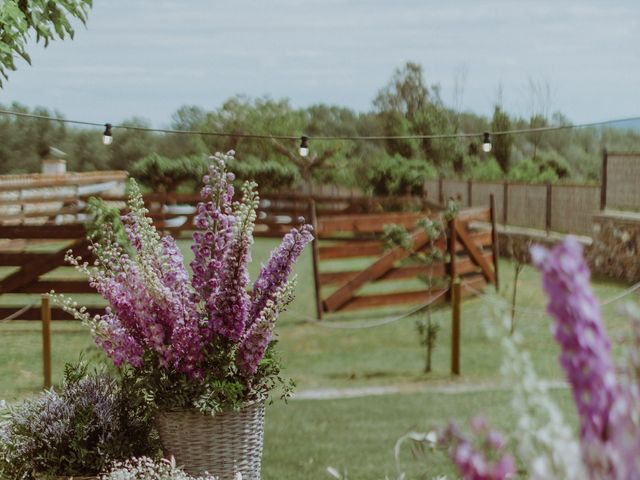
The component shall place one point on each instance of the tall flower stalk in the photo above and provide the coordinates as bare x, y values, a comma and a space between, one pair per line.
606, 406
209, 329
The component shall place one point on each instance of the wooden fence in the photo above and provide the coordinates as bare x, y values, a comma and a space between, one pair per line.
33, 245
565, 208
620, 180
471, 247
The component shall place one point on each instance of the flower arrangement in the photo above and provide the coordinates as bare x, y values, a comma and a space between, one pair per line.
204, 341
77, 431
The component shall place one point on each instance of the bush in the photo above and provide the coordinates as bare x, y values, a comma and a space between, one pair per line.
530, 171
487, 170
271, 175
163, 174
397, 175
79, 431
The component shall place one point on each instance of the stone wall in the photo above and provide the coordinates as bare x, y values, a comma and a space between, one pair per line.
613, 251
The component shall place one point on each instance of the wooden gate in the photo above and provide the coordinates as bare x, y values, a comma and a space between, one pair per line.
470, 246
33, 251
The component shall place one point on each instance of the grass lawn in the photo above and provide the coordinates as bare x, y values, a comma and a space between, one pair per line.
357, 435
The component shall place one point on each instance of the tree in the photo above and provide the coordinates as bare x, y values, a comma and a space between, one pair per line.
539, 106
47, 19
501, 143
406, 92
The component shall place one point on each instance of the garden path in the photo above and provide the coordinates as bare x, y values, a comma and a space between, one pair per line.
451, 388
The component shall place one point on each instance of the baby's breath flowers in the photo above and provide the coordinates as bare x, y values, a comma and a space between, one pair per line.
210, 331
145, 468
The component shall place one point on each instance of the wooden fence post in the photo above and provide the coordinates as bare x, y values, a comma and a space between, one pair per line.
494, 239
603, 184
548, 209
441, 190
455, 327
505, 202
451, 247
315, 252
45, 309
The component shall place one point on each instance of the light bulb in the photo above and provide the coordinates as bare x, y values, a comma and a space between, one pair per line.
107, 137
304, 146
486, 143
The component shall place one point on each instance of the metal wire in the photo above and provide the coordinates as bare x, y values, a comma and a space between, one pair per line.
323, 137
17, 313
535, 312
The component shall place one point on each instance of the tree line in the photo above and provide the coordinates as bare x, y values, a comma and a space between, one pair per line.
406, 105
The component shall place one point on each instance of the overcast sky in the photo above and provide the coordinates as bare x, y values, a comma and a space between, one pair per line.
148, 57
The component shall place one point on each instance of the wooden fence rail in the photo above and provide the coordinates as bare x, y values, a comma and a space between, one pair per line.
470, 241
34, 252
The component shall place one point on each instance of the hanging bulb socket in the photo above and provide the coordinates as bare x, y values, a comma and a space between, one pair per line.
304, 146
107, 137
486, 142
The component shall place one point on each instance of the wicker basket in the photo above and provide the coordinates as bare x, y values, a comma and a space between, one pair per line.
222, 444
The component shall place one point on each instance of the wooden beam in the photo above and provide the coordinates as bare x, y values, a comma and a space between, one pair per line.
56, 313
604, 179
495, 251
455, 327
475, 214
315, 258
474, 253
381, 266
397, 298
59, 286
367, 223
31, 271
66, 232
15, 259
45, 312
463, 265
351, 250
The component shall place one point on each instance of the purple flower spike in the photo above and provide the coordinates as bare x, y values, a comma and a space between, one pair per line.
275, 273
586, 350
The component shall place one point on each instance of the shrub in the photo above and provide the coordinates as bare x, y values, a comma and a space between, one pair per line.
396, 175
163, 174
271, 175
92, 421
531, 171
487, 170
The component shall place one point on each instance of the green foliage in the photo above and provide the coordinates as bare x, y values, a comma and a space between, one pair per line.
21, 19
396, 175
486, 169
501, 144
162, 174
105, 220
271, 175
221, 388
406, 106
427, 327
530, 171
92, 421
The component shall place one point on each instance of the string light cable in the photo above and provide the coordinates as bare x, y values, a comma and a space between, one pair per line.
496, 301
485, 136
17, 313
